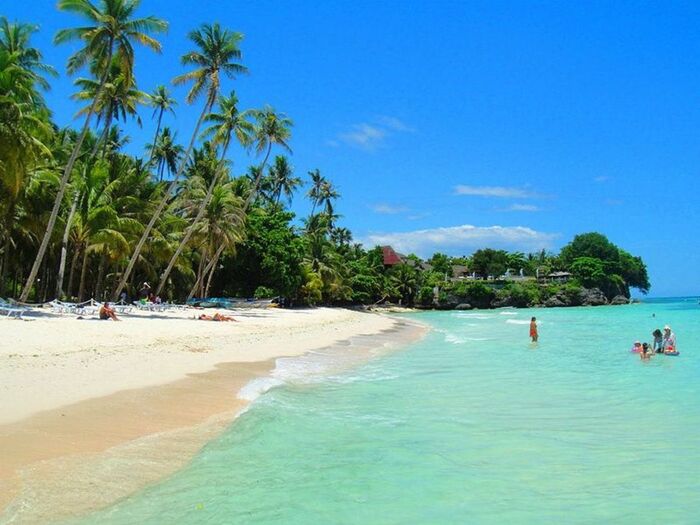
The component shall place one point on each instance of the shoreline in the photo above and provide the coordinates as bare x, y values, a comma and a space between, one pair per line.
73, 458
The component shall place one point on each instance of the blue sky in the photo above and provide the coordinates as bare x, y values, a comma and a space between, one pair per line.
455, 125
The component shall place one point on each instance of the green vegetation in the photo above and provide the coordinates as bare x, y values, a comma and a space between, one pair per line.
81, 218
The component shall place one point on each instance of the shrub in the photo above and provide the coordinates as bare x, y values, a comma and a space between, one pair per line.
263, 292
425, 296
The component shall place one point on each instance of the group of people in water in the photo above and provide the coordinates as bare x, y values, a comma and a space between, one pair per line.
664, 342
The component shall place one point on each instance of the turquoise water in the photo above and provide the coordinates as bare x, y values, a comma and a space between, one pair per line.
472, 424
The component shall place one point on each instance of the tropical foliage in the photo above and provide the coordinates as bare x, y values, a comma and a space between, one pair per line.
80, 217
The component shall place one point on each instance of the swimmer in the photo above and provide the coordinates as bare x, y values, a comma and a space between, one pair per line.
533, 329
636, 347
657, 344
669, 341
646, 352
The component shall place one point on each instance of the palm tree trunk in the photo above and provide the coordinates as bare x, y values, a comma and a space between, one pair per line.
83, 274
200, 271
71, 275
211, 274
101, 275
104, 137
7, 242
62, 187
256, 184
155, 139
64, 246
200, 213
206, 271
161, 206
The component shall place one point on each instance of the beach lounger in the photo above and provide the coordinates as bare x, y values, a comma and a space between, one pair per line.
9, 310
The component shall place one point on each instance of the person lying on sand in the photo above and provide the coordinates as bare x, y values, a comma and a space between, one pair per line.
216, 317
107, 313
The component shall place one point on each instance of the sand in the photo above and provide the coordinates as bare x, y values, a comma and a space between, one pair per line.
91, 411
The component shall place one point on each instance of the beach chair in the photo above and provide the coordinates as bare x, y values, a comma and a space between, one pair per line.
9, 310
122, 307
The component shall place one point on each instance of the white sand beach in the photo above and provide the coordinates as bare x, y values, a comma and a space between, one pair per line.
74, 391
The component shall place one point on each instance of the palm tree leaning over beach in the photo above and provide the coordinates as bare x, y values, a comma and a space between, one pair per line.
227, 124
223, 225
110, 34
271, 128
161, 101
118, 99
218, 52
22, 130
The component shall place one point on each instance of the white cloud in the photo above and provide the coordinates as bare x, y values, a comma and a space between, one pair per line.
418, 216
371, 135
395, 124
522, 207
364, 136
614, 202
496, 191
460, 240
388, 209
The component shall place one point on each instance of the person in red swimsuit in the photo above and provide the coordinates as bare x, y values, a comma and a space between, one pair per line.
533, 329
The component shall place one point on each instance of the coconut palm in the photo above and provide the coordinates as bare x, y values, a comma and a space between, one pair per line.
15, 40
404, 278
341, 237
283, 182
23, 131
161, 101
327, 196
118, 99
166, 153
222, 226
227, 124
271, 128
218, 52
110, 33
314, 193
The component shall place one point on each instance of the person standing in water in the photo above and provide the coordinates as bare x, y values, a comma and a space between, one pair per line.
533, 330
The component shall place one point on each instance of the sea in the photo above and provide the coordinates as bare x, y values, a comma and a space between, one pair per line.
472, 424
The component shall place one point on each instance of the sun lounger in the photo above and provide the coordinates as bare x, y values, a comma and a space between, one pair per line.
10, 310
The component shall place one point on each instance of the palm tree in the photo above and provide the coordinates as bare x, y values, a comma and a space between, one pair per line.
161, 102
342, 237
23, 131
405, 281
271, 129
117, 100
110, 34
327, 195
314, 193
227, 124
166, 153
283, 183
222, 226
218, 52
14, 39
